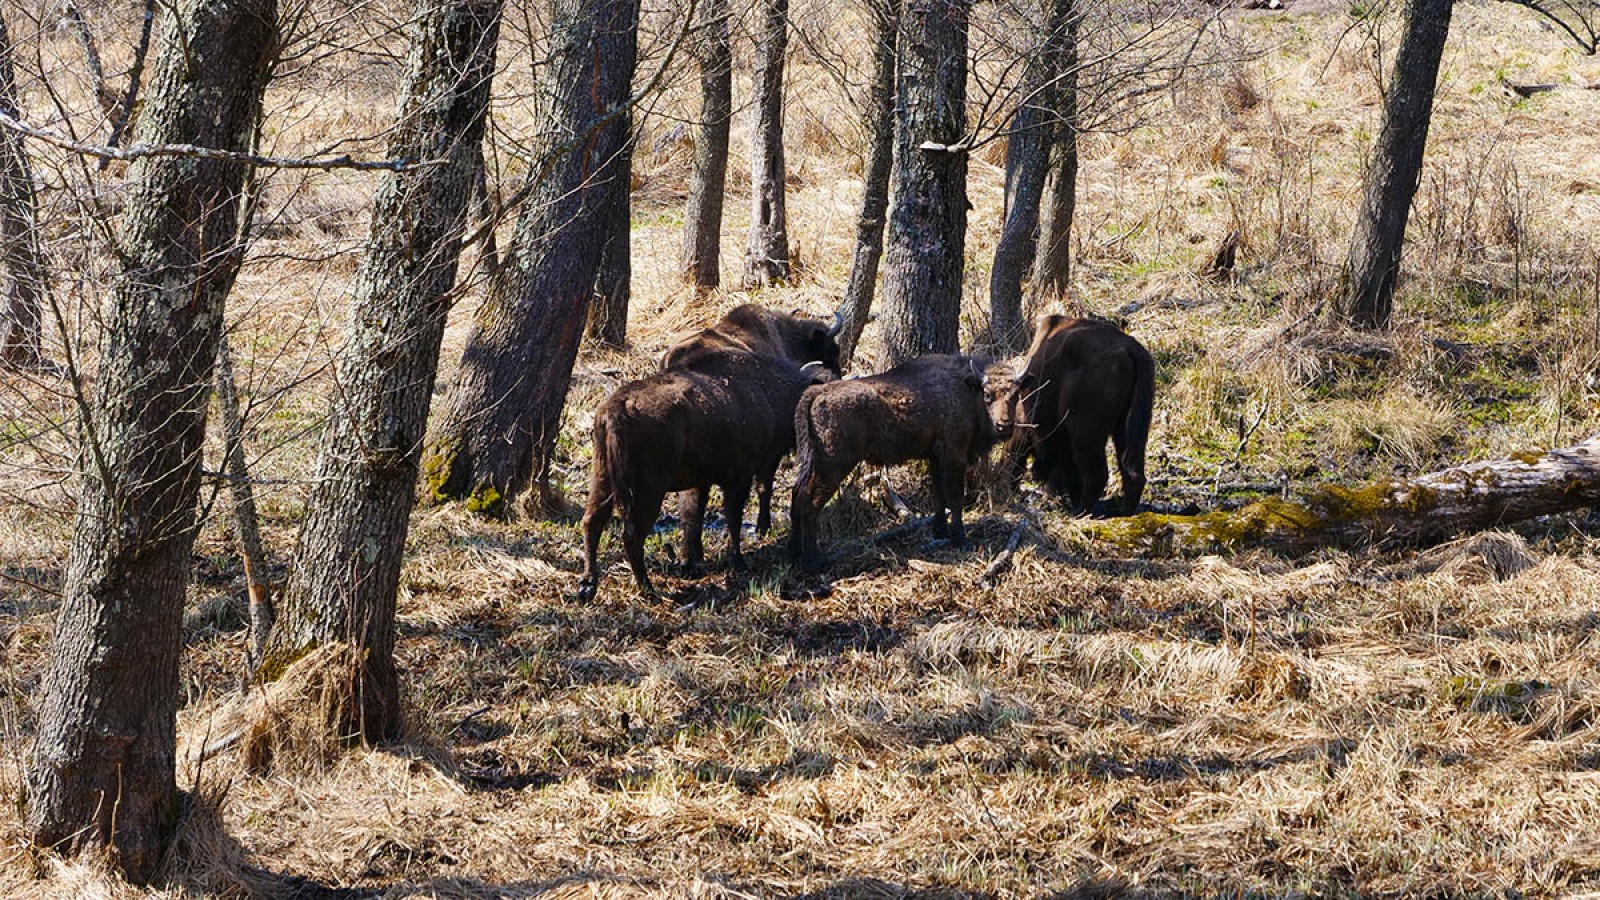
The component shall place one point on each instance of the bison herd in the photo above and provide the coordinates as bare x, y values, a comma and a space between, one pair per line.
731, 401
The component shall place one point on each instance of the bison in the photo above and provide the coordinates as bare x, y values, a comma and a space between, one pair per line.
724, 422
1085, 380
947, 410
753, 329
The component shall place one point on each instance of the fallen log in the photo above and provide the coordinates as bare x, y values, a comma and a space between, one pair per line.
1397, 511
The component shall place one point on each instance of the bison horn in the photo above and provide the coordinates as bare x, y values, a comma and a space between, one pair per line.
838, 324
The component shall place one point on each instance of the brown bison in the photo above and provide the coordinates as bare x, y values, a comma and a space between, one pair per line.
753, 329
723, 422
947, 410
1085, 380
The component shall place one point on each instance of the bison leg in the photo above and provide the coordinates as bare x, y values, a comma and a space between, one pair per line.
734, 498
951, 489
596, 516
1131, 470
691, 522
764, 502
1089, 457
636, 526
936, 477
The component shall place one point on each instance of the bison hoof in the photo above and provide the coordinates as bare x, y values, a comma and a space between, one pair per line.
586, 591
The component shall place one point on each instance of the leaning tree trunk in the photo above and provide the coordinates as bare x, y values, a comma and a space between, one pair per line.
613, 283
1367, 296
502, 415
20, 254
702, 219
928, 224
102, 771
875, 178
1426, 508
346, 567
766, 257
1052, 261
1027, 165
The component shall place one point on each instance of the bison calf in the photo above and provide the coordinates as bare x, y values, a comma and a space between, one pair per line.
947, 410
721, 423
1086, 380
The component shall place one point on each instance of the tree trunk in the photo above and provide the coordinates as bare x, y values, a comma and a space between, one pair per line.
928, 224
346, 568
501, 418
1426, 508
20, 254
130, 97
102, 770
1367, 296
875, 178
613, 284
1027, 166
702, 219
1052, 263
243, 494
766, 257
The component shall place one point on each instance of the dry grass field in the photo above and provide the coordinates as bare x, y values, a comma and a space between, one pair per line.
1388, 721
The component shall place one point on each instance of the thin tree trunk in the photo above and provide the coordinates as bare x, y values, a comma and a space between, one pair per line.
124, 112
702, 219
1367, 297
346, 568
102, 768
766, 257
486, 203
875, 179
613, 285
1027, 166
928, 224
91, 56
502, 414
20, 254
246, 522
1052, 263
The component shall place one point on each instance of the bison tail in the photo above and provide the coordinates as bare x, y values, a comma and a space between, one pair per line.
1136, 429
611, 452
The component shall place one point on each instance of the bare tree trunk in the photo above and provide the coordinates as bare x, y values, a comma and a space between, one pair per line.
1367, 297
102, 769
1428, 507
502, 414
1027, 166
702, 219
124, 111
1052, 263
20, 254
346, 568
91, 56
246, 522
613, 284
928, 224
875, 179
766, 257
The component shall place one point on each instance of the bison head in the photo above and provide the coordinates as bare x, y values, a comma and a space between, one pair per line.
822, 343
1002, 392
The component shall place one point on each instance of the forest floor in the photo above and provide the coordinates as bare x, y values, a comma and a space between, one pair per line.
1379, 721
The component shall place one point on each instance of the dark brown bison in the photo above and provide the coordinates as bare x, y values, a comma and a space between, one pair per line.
753, 329
1085, 380
723, 422
947, 410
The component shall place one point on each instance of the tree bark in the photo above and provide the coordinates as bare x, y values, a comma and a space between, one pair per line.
1367, 297
766, 258
20, 253
1027, 166
346, 567
1052, 263
863, 281
503, 412
1426, 508
613, 284
928, 225
702, 219
102, 769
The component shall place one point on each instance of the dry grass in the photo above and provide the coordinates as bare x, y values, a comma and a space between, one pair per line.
1389, 723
